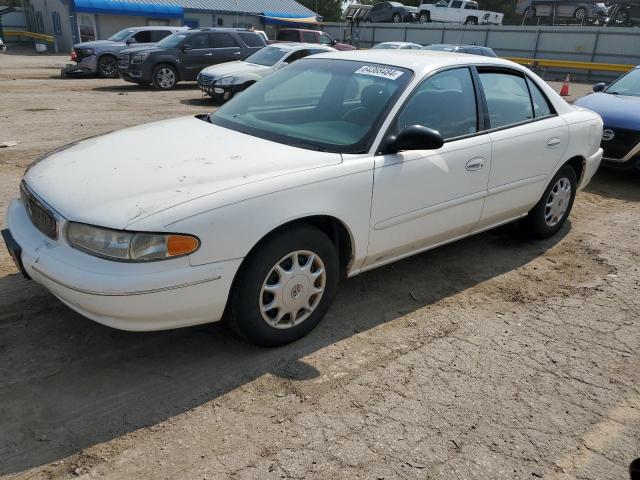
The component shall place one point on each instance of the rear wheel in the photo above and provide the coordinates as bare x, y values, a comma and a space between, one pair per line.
471, 21
108, 66
424, 17
285, 287
580, 14
551, 212
165, 77
530, 12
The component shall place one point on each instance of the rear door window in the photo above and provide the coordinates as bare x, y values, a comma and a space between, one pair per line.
198, 42
309, 37
222, 40
252, 39
143, 37
157, 35
288, 36
507, 98
541, 106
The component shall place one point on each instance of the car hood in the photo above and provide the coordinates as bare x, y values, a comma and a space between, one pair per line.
235, 68
97, 44
117, 179
617, 111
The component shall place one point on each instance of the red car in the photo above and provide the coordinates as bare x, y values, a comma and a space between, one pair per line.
310, 36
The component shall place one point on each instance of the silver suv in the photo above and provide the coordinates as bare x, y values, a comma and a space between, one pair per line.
581, 11
101, 56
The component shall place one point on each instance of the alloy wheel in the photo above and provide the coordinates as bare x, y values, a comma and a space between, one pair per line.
292, 289
108, 67
166, 78
557, 202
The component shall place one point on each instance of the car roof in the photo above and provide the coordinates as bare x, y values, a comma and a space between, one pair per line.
300, 46
156, 27
397, 43
420, 61
220, 29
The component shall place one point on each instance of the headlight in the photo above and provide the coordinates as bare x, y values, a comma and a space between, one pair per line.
139, 57
227, 81
127, 246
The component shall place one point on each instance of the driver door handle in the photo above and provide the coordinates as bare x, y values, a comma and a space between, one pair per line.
237, 53
475, 164
208, 54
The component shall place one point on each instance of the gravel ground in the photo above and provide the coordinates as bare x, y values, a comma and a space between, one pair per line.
494, 357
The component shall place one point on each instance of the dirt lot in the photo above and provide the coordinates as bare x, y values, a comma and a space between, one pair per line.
492, 358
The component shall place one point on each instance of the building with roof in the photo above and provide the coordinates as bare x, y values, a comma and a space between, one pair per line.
74, 21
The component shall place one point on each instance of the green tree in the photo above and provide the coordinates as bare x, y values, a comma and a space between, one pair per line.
329, 10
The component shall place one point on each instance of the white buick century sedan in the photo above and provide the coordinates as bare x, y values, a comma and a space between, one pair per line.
332, 166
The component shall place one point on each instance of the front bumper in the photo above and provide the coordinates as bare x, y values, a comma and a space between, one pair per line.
85, 65
127, 296
133, 74
220, 92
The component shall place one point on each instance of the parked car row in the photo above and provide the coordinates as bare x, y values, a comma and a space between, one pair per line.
442, 47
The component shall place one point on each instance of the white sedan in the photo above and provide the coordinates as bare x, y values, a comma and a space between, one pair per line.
223, 81
330, 167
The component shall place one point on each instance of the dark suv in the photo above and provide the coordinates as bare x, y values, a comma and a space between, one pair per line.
182, 55
391, 12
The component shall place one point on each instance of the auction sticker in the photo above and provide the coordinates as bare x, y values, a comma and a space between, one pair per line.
382, 72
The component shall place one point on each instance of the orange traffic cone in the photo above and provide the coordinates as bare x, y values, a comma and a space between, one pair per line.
564, 91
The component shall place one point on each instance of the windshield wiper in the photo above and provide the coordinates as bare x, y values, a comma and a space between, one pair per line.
612, 93
312, 146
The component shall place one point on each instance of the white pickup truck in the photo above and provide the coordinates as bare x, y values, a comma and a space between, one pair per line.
466, 12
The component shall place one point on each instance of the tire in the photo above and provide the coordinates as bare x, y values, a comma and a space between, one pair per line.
580, 14
108, 66
264, 279
530, 12
622, 17
396, 18
164, 77
471, 21
551, 212
424, 17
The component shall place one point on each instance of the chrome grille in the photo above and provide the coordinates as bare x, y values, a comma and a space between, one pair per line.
41, 217
123, 61
205, 80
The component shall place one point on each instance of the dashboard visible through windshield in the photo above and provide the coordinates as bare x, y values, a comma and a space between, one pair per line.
319, 104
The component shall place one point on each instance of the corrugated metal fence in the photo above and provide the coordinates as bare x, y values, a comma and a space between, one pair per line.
585, 44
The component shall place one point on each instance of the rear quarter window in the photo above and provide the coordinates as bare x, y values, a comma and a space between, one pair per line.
252, 39
288, 36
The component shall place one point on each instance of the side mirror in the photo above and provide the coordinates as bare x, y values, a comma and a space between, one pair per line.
417, 137
283, 64
186, 47
131, 41
599, 87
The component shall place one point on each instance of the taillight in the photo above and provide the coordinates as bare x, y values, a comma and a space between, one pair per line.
74, 55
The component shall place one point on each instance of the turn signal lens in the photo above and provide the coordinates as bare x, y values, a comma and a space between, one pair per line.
181, 245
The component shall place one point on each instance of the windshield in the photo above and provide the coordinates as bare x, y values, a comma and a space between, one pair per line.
319, 104
386, 46
121, 35
172, 40
439, 48
628, 84
267, 56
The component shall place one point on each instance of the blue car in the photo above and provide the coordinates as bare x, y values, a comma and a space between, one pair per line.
619, 106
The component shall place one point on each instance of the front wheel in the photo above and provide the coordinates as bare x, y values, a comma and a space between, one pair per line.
551, 212
396, 18
471, 21
424, 17
165, 77
108, 66
285, 287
